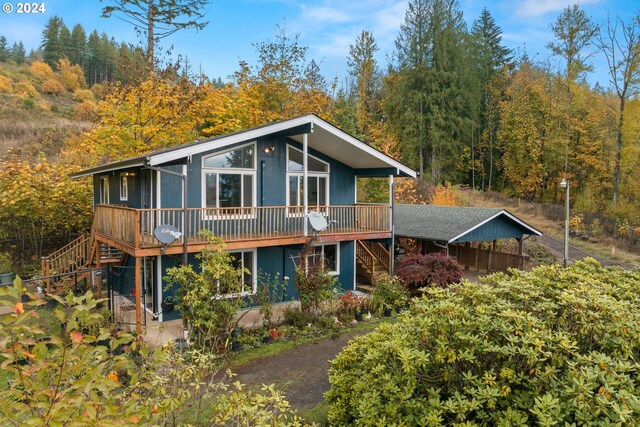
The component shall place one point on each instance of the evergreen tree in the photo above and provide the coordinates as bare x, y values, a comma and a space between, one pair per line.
78, 45
363, 68
157, 19
429, 103
18, 54
4, 50
52, 49
491, 60
65, 42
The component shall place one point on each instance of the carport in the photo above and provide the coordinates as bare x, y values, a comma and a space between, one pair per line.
460, 231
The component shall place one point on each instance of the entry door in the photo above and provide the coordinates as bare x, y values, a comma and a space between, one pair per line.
147, 284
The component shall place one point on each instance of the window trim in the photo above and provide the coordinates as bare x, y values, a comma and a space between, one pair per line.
104, 184
289, 146
215, 154
335, 272
310, 174
206, 170
254, 276
124, 179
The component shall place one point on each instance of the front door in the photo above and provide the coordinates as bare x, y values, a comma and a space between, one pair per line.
147, 284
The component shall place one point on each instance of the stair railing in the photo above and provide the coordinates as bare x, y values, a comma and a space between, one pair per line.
367, 258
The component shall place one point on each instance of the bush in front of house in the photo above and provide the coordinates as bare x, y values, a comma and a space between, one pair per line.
388, 294
435, 269
545, 347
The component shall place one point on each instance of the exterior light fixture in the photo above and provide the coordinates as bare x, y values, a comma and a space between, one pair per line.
565, 185
268, 149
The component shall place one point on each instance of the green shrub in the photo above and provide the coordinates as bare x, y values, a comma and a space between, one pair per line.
6, 263
387, 293
546, 347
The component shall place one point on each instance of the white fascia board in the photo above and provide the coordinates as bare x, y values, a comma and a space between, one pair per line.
362, 146
222, 142
525, 225
502, 212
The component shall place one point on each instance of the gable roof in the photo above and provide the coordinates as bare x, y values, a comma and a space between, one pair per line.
322, 137
456, 224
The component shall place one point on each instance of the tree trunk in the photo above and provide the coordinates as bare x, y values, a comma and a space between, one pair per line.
616, 173
150, 36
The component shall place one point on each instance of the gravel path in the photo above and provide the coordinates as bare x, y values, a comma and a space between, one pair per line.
557, 247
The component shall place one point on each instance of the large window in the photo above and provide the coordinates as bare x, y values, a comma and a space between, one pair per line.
244, 259
229, 178
317, 177
328, 253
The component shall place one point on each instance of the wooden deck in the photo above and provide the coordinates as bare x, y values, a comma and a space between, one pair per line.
131, 230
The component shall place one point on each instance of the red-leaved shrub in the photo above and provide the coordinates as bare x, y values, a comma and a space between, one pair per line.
435, 269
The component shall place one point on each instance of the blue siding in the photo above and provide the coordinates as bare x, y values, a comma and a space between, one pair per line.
271, 175
499, 228
134, 188
171, 188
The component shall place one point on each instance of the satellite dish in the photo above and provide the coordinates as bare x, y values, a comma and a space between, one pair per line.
318, 221
166, 234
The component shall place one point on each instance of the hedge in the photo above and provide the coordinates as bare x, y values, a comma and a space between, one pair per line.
547, 347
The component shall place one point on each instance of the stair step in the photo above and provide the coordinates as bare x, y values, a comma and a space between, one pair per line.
364, 288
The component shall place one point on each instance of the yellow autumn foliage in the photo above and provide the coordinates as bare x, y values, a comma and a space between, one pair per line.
53, 87
6, 84
41, 69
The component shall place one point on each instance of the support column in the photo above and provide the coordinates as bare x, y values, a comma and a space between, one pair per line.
305, 182
391, 223
138, 281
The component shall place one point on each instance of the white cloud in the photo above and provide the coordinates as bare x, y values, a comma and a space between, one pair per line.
325, 14
533, 8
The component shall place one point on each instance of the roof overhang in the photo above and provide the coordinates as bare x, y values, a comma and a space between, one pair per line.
111, 167
322, 137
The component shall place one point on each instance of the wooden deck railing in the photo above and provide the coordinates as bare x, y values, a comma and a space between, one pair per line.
134, 227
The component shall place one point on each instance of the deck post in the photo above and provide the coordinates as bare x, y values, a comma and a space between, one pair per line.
138, 281
305, 182
392, 263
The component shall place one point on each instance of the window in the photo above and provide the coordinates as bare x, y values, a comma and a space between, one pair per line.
104, 190
317, 177
241, 259
330, 254
229, 178
124, 186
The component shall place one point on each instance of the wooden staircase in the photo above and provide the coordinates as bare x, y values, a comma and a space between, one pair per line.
372, 260
78, 257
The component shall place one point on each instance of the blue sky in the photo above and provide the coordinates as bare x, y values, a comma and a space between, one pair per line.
327, 27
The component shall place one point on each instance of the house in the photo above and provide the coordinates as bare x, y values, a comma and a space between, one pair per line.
247, 188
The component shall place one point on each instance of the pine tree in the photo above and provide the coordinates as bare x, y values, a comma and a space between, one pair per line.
491, 59
78, 45
363, 68
157, 19
429, 103
18, 53
4, 50
52, 49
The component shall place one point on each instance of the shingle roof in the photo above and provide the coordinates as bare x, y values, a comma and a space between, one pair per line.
447, 223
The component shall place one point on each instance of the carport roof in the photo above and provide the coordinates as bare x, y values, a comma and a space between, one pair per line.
451, 224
